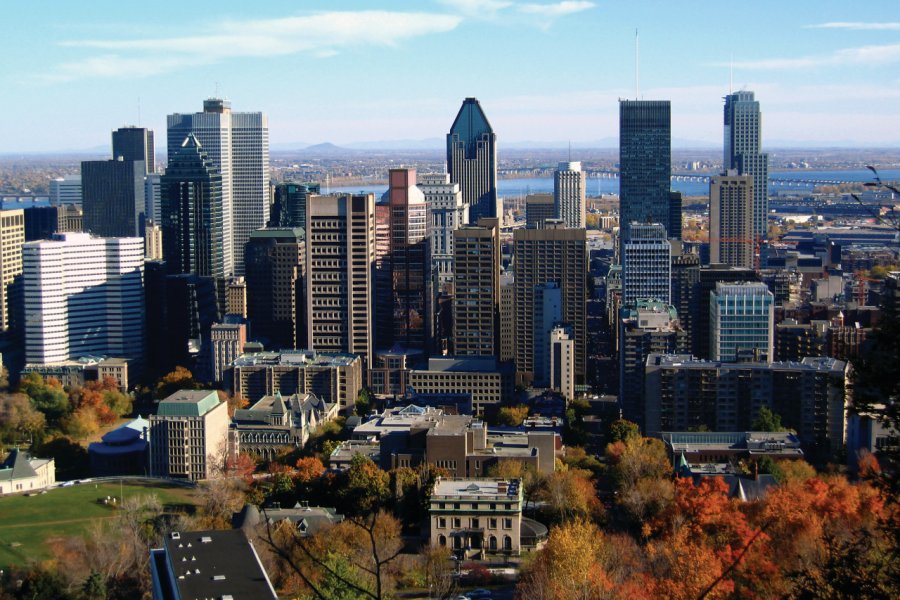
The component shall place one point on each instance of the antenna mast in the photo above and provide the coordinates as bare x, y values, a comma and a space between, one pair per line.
637, 66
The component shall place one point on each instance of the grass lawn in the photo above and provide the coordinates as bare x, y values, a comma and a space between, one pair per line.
28, 523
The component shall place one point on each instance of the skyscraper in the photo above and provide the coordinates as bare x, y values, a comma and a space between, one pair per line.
731, 220
476, 303
743, 141
83, 296
340, 254
446, 213
113, 197
547, 316
645, 162
647, 264
12, 236
289, 208
741, 321
539, 208
194, 217
472, 160
275, 260
554, 254
134, 143
568, 194
237, 144
65, 190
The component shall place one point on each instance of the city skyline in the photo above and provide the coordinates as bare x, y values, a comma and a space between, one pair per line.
87, 76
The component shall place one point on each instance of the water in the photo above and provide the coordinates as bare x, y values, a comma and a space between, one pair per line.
509, 188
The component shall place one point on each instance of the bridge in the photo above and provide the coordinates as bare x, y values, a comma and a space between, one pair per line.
695, 178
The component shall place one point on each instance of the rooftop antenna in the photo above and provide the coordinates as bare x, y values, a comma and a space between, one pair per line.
637, 66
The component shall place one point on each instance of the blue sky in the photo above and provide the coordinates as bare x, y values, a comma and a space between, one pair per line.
350, 71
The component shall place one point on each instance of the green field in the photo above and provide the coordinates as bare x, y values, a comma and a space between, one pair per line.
27, 523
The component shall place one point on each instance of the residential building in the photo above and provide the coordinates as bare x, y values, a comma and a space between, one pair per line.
554, 254
276, 423
548, 313
208, 564
507, 317
189, 435
335, 378
228, 340
195, 222
569, 184
538, 209
472, 517
562, 361
646, 264
645, 163
20, 473
794, 340
113, 197
742, 322
83, 296
236, 297
446, 213
472, 160
135, 143
340, 255
476, 301
307, 520
743, 142
685, 277
684, 393
65, 190
731, 237
12, 238
489, 382
275, 264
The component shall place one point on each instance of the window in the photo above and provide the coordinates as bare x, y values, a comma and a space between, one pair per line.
507, 542
492, 543
442, 541
476, 523
492, 523
457, 522
507, 523
442, 523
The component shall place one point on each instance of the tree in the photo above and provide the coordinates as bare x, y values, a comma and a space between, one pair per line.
512, 416
620, 430
235, 401
82, 423
19, 417
309, 469
179, 379
438, 569
570, 494
94, 587
363, 402
366, 488
48, 396
766, 420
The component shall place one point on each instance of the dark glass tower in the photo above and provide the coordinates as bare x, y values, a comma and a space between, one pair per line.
275, 259
113, 197
472, 161
134, 143
289, 208
645, 162
194, 240
743, 140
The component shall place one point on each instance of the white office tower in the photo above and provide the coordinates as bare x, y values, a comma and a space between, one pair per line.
743, 144
562, 361
446, 213
238, 145
646, 264
152, 197
83, 296
568, 194
741, 322
65, 190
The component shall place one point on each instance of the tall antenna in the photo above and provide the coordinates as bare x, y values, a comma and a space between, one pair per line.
637, 66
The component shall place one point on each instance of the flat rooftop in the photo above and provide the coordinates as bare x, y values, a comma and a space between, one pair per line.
460, 487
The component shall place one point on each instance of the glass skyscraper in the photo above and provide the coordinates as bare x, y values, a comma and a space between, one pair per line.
645, 162
472, 161
134, 143
743, 140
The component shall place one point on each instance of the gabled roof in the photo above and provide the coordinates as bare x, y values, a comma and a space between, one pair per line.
19, 465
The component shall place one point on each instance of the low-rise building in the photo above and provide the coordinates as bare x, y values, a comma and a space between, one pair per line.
727, 446
308, 520
488, 381
20, 473
74, 373
188, 435
275, 423
473, 517
122, 451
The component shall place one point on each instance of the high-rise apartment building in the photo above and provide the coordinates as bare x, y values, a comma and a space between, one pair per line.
135, 143
83, 296
476, 303
539, 208
195, 225
645, 162
569, 183
554, 254
188, 434
237, 144
12, 236
742, 322
646, 264
446, 213
507, 317
562, 361
472, 160
65, 190
275, 260
340, 254
113, 197
731, 238
401, 247
743, 143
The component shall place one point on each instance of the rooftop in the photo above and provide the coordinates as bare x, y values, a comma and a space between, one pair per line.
188, 403
301, 358
461, 487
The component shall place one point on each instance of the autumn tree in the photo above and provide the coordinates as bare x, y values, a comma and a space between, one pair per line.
48, 395
364, 488
512, 416
235, 401
18, 417
641, 470
179, 379
570, 494
309, 469
620, 430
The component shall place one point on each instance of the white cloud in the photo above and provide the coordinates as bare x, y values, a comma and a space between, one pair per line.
856, 26
477, 8
321, 35
864, 55
559, 9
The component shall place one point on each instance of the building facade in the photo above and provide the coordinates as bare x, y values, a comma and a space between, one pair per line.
189, 435
742, 322
227, 340
446, 213
645, 162
731, 238
135, 143
646, 264
113, 197
276, 261
12, 237
472, 160
569, 183
538, 209
65, 190
743, 143
472, 517
476, 301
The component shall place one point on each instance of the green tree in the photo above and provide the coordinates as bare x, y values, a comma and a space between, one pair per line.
620, 430
94, 587
363, 402
512, 416
366, 487
766, 420
48, 396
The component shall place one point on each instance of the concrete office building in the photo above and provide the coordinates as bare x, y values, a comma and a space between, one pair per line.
476, 301
742, 322
562, 361
731, 240
487, 381
684, 393
153, 249
189, 435
446, 213
83, 296
646, 264
472, 160
569, 184
113, 197
743, 142
276, 272
645, 163
227, 340
538, 209
135, 143
335, 378
195, 223
340, 254
12, 237
65, 190
236, 297
153, 197
554, 254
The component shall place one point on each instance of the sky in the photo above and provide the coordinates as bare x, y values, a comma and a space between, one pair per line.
342, 71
